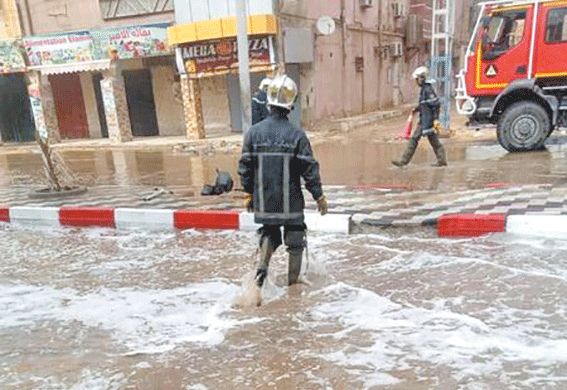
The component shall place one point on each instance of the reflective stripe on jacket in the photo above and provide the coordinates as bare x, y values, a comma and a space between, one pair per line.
275, 156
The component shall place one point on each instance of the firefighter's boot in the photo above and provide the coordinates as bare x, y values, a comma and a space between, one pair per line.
266, 252
439, 152
294, 267
408, 153
295, 241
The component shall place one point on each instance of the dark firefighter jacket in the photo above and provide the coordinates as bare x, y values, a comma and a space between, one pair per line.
428, 106
259, 107
275, 156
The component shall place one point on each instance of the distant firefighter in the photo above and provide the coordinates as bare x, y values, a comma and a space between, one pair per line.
260, 101
429, 125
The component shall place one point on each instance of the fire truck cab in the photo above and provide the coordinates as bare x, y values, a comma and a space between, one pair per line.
515, 71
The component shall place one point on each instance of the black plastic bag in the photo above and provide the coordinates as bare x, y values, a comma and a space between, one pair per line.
223, 183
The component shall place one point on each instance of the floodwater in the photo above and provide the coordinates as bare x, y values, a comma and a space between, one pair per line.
105, 309
353, 162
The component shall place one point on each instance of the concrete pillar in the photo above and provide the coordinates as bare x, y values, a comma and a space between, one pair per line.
125, 167
91, 107
43, 107
116, 106
192, 108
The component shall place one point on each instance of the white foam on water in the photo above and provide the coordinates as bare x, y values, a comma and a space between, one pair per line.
88, 381
401, 335
142, 321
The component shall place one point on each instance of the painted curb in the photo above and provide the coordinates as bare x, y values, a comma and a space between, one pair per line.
158, 219
329, 223
4, 214
34, 216
549, 226
470, 225
474, 225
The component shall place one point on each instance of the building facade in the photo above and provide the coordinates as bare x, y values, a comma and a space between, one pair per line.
361, 64
99, 68
127, 68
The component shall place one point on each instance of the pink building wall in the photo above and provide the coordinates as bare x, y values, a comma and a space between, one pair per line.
331, 86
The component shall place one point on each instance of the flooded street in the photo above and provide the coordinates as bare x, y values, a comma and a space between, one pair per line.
346, 162
107, 309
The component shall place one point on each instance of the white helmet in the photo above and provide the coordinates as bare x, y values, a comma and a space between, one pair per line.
421, 73
264, 84
282, 92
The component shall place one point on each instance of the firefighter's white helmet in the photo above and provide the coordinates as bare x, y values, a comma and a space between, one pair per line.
282, 92
420, 73
264, 84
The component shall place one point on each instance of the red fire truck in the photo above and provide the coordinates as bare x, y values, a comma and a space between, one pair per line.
515, 71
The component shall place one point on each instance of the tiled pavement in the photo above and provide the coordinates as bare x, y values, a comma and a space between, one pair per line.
369, 206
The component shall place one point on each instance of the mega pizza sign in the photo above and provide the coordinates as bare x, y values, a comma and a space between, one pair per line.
220, 56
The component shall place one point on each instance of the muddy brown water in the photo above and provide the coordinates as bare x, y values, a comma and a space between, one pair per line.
99, 309
354, 162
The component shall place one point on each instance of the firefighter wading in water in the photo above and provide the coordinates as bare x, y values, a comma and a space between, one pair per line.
275, 156
429, 124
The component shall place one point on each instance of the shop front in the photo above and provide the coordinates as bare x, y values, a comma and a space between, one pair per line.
115, 83
16, 120
207, 60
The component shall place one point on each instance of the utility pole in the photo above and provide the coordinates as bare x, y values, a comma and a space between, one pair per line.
442, 30
243, 65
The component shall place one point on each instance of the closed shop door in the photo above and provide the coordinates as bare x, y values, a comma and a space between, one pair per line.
141, 105
16, 120
69, 105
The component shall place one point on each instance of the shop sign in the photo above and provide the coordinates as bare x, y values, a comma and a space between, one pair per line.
211, 58
131, 42
59, 49
11, 58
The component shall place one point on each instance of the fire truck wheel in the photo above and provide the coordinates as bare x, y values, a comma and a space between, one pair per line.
523, 126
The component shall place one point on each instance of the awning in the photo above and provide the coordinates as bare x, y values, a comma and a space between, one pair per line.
84, 66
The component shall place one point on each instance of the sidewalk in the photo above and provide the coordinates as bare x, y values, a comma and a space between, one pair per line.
342, 125
367, 207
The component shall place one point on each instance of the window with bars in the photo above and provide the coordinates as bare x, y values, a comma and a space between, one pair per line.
121, 8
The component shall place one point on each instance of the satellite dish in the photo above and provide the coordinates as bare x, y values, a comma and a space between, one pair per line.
326, 25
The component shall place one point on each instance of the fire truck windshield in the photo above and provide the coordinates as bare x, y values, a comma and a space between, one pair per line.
502, 31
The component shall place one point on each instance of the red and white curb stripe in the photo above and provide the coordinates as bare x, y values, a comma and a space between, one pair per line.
125, 218
473, 225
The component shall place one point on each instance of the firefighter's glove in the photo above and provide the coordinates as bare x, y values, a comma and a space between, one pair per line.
437, 126
322, 206
249, 203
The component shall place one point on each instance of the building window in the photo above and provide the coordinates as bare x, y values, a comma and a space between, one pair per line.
556, 30
121, 8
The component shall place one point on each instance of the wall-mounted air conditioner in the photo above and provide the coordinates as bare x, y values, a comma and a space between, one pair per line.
397, 9
396, 49
366, 3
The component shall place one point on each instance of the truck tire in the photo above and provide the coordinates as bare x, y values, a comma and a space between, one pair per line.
523, 126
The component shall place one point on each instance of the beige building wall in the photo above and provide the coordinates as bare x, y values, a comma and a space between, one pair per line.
216, 110
167, 98
49, 16
91, 108
9, 20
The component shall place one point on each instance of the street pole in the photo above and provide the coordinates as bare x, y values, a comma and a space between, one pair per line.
243, 65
